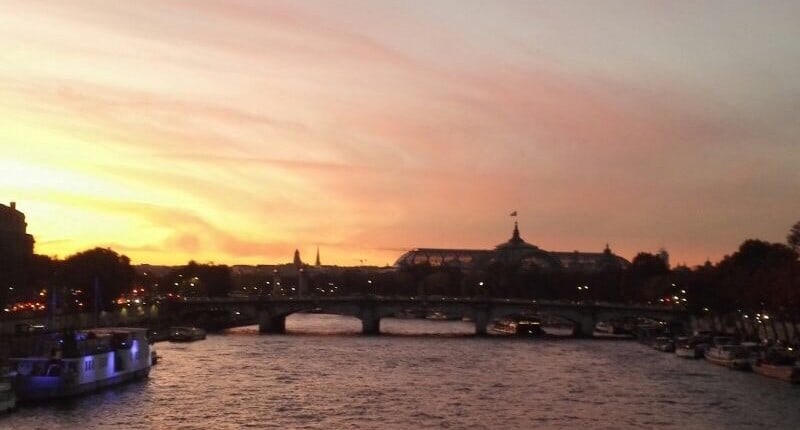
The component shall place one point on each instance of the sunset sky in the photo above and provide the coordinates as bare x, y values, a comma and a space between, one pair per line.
237, 131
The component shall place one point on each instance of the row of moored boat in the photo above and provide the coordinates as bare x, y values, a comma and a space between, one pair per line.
774, 361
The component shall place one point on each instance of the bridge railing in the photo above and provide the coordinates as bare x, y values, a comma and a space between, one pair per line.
432, 299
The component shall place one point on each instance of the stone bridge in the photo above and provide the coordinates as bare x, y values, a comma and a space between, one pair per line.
271, 313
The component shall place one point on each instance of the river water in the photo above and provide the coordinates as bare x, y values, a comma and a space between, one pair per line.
422, 374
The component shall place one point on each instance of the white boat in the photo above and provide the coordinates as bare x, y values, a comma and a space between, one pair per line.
527, 327
8, 400
86, 361
732, 356
504, 326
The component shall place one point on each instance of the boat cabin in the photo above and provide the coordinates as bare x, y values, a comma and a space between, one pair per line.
83, 361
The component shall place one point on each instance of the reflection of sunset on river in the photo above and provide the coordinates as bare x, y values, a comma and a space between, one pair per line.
423, 374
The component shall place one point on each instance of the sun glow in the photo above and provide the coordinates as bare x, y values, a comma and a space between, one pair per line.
243, 132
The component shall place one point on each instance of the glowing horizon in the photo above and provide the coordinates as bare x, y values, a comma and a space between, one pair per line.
237, 131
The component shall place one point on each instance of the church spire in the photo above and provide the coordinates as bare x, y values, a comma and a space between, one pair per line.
297, 261
317, 263
515, 236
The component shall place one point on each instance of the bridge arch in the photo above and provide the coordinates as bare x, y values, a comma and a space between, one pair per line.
273, 320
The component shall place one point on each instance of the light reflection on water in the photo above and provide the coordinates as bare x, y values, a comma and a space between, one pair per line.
329, 376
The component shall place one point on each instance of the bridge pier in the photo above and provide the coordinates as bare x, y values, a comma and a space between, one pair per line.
371, 326
481, 321
267, 323
370, 322
584, 327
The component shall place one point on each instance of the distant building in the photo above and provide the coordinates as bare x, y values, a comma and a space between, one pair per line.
15, 242
516, 251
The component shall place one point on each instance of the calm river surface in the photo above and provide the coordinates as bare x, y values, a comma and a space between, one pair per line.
423, 374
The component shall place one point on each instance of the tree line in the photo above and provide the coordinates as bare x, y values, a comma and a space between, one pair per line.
759, 277
99, 277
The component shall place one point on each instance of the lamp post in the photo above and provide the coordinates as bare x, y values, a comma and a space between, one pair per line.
584, 289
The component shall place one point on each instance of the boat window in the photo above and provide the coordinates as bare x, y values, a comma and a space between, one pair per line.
54, 369
119, 365
121, 341
24, 367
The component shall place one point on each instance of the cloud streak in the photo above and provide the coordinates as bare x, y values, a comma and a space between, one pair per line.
236, 131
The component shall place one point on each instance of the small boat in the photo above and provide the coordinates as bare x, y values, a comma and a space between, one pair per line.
778, 364
664, 344
732, 356
784, 372
436, 315
615, 327
521, 327
604, 327
8, 400
693, 347
505, 326
186, 334
686, 351
82, 362
442, 316
529, 328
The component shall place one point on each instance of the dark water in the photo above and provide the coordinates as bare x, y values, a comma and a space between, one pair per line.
335, 378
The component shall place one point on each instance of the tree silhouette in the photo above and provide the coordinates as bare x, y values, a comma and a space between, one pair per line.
200, 280
647, 265
757, 276
793, 239
112, 271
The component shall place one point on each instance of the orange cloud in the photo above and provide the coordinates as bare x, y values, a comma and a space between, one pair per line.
237, 131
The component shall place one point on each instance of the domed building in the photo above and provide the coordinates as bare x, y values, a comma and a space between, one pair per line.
514, 251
